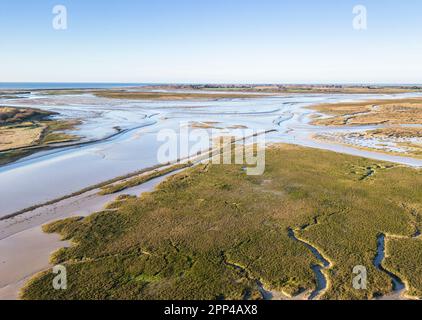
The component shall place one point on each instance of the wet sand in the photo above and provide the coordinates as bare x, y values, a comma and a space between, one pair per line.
23, 255
72, 169
25, 249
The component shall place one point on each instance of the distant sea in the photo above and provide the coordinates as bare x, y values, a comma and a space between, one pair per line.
65, 85
106, 85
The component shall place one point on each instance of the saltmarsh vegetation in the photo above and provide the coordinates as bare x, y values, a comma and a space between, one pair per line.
138, 180
391, 112
212, 232
404, 256
399, 122
171, 96
277, 88
23, 130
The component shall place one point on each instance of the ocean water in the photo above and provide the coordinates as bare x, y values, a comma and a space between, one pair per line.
65, 85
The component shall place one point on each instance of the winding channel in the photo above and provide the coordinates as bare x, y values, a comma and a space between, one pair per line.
266, 295
70, 169
52, 149
320, 278
398, 285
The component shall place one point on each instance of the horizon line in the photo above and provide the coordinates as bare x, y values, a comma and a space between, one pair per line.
218, 83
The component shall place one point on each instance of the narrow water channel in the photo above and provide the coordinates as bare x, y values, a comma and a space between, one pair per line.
266, 295
398, 285
321, 280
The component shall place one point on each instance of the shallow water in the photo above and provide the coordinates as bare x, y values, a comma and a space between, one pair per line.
321, 281
398, 285
52, 174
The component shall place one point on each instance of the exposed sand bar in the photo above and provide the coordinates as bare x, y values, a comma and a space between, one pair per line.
22, 256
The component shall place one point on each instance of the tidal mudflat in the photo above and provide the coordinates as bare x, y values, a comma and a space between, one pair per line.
119, 136
397, 121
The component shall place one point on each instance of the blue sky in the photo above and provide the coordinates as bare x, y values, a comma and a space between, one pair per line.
238, 41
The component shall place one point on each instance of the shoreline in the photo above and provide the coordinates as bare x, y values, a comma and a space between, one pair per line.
205, 155
107, 150
28, 225
26, 249
64, 147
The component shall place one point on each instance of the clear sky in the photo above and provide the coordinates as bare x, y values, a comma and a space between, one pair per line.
237, 41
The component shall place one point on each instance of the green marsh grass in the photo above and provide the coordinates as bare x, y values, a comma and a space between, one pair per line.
184, 240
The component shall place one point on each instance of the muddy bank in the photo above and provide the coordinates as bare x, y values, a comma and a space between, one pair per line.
25, 249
